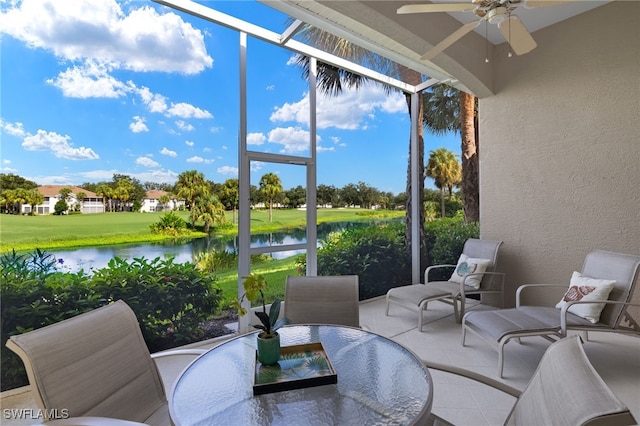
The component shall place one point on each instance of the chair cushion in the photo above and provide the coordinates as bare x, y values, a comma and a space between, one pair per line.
586, 289
468, 265
525, 319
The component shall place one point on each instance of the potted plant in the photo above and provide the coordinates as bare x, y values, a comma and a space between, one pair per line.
268, 339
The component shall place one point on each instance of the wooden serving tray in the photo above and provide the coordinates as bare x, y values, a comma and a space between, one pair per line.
300, 366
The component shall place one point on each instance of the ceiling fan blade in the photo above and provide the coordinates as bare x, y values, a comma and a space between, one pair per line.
435, 7
517, 35
531, 4
455, 36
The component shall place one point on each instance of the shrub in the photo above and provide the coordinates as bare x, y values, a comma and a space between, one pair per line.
375, 253
169, 224
61, 207
171, 301
445, 241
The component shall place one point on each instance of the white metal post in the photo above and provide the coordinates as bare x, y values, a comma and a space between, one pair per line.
244, 182
312, 213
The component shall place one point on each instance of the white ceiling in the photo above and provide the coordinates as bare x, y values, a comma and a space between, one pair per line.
533, 19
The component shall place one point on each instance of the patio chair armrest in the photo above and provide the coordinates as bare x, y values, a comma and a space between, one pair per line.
488, 381
532, 289
464, 279
430, 268
563, 312
92, 421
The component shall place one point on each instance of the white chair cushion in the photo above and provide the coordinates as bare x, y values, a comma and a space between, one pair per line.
468, 265
585, 288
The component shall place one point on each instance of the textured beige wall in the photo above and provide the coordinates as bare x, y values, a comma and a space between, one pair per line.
560, 147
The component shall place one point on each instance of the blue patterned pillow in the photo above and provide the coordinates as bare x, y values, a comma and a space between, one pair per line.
468, 265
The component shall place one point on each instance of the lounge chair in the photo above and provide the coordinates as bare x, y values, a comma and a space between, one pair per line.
475, 273
95, 369
564, 390
498, 327
322, 300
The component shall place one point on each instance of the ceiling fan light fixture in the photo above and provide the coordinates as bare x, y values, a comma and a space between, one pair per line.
498, 15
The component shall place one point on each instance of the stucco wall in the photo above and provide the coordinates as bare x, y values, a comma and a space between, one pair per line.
560, 147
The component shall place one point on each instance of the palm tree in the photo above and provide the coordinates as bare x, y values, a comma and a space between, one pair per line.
33, 197
444, 168
209, 209
80, 196
270, 187
331, 80
448, 109
106, 192
190, 185
163, 200
231, 195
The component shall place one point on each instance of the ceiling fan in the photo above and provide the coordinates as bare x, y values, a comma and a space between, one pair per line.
499, 12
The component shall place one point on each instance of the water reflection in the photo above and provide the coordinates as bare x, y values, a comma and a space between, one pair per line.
99, 257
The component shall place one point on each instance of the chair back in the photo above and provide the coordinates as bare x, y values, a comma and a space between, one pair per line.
484, 249
322, 300
566, 390
623, 268
93, 364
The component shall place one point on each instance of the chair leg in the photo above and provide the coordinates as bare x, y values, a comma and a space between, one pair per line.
458, 314
421, 308
386, 312
501, 358
464, 332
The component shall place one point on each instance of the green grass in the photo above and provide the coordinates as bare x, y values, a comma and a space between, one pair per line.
275, 272
24, 233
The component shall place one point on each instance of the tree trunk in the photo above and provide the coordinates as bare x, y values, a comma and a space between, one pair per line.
442, 202
470, 165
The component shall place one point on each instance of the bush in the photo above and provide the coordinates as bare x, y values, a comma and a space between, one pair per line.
375, 253
445, 241
169, 224
171, 301
60, 208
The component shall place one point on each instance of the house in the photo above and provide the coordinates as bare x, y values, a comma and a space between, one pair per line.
152, 203
91, 203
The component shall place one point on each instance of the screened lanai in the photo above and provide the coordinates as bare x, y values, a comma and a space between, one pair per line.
389, 73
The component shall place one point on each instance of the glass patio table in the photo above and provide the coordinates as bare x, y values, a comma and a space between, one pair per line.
379, 382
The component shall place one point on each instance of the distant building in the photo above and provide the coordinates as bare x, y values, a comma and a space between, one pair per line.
91, 203
151, 203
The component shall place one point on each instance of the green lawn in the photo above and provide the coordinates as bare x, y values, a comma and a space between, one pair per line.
49, 232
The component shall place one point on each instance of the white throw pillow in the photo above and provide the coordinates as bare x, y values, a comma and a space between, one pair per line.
467, 265
586, 288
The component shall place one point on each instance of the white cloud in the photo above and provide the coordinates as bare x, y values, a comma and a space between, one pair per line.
147, 162
256, 166
182, 125
228, 170
138, 125
153, 101
256, 138
189, 143
5, 161
14, 129
350, 110
140, 40
197, 159
168, 152
293, 139
271, 87
89, 80
184, 110
57, 144
206, 149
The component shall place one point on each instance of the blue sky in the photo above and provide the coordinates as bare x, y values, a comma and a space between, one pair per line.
90, 88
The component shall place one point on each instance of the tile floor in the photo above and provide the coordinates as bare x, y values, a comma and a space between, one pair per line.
462, 402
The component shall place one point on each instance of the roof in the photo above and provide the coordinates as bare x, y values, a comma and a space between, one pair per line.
53, 190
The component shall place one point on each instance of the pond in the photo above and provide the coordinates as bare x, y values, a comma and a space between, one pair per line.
98, 257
